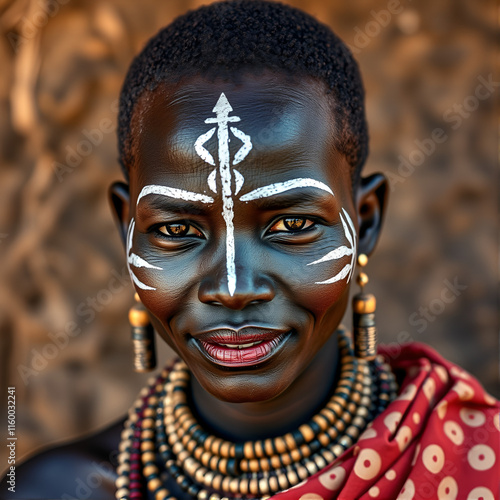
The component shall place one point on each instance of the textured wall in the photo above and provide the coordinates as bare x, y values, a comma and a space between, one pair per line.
63, 292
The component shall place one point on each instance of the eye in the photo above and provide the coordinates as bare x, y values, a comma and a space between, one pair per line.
291, 224
179, 230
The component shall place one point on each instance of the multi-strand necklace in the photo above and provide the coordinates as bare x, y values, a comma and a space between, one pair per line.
162, 439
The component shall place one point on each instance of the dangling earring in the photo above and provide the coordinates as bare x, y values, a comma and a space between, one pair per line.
143, 337
363, 309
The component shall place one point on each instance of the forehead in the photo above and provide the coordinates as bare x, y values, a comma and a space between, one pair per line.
290, 124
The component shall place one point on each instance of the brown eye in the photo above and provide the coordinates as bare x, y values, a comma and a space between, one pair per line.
179, 229
291, 224
294, 224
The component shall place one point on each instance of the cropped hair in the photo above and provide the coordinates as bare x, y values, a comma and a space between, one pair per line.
237, 35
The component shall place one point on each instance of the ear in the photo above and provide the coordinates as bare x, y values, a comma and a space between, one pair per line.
119, 200
372, 199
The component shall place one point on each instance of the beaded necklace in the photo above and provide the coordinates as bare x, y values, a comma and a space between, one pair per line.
162, 438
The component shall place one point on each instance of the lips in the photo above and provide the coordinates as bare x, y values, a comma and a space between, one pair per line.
239, 348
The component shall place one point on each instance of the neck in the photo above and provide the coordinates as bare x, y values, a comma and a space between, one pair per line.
250, 421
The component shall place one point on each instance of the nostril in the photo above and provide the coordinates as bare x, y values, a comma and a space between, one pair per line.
218, 303
248, 292
213, 302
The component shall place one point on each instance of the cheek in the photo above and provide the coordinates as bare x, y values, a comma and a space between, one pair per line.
305, 282
163, 304
174, 285
327, 304
321, 300
169, 275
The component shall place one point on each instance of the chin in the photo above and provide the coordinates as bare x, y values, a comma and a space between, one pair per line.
244, 388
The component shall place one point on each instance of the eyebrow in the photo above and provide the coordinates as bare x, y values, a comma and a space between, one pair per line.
174, 206
281, 187
170, 192
297, 198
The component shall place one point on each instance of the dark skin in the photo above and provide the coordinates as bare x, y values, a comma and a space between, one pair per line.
293, 136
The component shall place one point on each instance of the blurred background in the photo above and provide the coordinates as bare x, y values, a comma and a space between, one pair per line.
429, 71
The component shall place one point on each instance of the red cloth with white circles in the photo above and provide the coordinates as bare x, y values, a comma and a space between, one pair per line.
440, 439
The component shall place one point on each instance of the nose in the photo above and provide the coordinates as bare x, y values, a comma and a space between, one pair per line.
252, 287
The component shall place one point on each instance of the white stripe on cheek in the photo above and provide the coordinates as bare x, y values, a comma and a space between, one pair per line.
354, 243
333, 255
337, 277
137, 261
280, 187
350, 222
342, 251
130, 259
140, 284
346, 230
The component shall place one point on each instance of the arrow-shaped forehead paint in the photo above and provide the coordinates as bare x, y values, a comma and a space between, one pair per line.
280, 187
227, 176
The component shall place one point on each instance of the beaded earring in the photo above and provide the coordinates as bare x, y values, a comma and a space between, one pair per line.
363, 308
143, 337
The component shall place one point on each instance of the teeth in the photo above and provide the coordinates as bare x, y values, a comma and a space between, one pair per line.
241, 346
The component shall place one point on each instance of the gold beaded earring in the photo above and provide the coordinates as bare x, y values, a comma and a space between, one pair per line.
363, 308
143, 337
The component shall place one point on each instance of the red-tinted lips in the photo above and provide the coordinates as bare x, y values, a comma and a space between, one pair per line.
245, 347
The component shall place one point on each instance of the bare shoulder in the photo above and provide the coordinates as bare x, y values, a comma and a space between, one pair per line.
81, 469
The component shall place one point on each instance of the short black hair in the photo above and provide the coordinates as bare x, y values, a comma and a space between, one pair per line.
236, 35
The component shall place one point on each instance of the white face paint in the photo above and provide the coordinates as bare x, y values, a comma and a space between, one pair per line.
343, 251
228, 177
136, 261
202, 152
222, 118
280, 187
180, 194
348, 269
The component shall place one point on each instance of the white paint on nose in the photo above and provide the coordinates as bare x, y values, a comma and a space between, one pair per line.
222, 118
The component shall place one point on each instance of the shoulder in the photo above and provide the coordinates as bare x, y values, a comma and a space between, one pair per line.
81, 469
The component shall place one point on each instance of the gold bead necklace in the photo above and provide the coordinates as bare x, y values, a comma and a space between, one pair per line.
163, 439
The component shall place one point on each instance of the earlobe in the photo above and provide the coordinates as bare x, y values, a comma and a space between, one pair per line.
119, 200
372, 199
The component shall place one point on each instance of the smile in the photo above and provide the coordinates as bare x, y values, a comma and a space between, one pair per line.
245, 347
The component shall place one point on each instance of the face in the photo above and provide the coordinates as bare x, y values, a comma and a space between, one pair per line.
242, 230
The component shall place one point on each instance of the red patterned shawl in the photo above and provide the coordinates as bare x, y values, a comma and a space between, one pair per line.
440, 439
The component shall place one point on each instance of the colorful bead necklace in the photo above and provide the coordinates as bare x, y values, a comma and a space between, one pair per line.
162, 438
